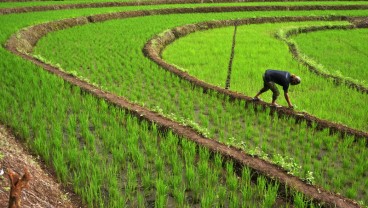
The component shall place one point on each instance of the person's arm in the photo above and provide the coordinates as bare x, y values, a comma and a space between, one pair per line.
288, 99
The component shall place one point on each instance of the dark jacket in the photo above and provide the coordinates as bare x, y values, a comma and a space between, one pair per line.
279, 77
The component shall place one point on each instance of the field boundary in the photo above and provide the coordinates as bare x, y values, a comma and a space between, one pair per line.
230, 66
22, 43
297, 54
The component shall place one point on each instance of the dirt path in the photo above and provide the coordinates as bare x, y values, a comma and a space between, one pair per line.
43, 189
230, 66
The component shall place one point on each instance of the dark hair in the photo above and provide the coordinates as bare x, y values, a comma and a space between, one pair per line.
295, 79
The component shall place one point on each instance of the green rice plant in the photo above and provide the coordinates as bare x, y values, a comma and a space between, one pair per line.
270, 195
61, 170
222, 196
213, 178
131, 183
246, 194
203, 168
189, 152
203, 162
190, 174
179, 195
231, 179
140, 199
234, 201
299, 200
159, 165
146, 180
208, 199
161, 193
261, 185
245, 177
177, 164
140, 160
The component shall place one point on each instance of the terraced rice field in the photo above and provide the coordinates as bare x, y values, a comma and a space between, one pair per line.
135, 112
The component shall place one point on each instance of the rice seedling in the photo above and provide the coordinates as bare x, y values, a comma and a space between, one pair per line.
208, 199
261, 185
222, 196
299, 200
231, 178
270, 195
234, 201
160, 193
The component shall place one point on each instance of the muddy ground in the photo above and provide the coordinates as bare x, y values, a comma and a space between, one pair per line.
44, 190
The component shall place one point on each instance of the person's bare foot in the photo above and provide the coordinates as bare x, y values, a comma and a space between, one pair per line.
276, 105
257, 99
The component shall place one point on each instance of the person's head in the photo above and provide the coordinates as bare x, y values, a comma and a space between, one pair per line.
294, 80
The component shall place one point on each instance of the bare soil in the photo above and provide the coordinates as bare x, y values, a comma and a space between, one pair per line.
43, 190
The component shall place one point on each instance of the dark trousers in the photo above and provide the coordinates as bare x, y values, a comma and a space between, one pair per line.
270, 86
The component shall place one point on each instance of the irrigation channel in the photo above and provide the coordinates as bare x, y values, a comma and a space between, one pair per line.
21, 44
228, 78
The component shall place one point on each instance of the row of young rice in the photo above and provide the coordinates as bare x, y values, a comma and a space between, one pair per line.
112, 58
339, 52
256, 50
46, 3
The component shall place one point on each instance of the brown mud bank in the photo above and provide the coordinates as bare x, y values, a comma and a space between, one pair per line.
204, 9
22, 44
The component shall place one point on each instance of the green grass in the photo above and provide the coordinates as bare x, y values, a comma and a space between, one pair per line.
339, 52
136, 78
203, 53
35, 3
46, 3
88, 136
110, 157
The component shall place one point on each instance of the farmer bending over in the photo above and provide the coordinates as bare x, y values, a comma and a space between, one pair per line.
282, 78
